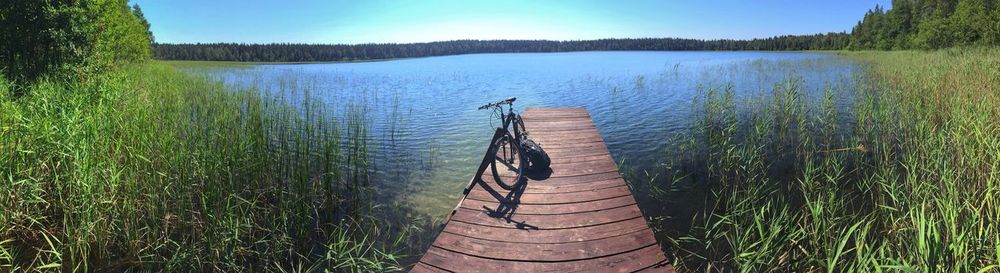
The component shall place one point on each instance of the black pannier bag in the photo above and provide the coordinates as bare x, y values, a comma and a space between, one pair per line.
538, 160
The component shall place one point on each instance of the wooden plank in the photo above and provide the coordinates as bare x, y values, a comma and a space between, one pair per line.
582, 158
555, 173
565, 141
555, 139
567, 180
571, 186
530, 198
421, 267
552, 209
658, 268
566, 120
575, 169
625, 262
538, 111
564, 130
546, 252
562, 139
555, 116
541, 112
557, 154
555, 143
544, 187
579, 119
573, 154
551, 177
558, 109
562, 125
554, 112
573, 151
528, 221
548, 236
605, 165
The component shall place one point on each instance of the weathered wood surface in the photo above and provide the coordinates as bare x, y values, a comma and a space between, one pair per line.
579, 218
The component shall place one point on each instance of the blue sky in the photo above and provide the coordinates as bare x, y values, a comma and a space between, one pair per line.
378, 21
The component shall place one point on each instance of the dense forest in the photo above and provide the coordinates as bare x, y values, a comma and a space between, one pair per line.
929, 24
47, 37
339, 52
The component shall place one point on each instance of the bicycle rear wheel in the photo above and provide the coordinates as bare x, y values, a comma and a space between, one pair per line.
508, 163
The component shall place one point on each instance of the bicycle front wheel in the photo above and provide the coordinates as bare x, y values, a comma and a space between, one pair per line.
509, 162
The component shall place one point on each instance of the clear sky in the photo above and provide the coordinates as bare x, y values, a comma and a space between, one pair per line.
401, 21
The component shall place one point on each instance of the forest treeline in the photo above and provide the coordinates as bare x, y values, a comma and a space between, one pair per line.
910, 24
280, 52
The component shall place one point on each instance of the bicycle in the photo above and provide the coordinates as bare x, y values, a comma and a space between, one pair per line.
508, 147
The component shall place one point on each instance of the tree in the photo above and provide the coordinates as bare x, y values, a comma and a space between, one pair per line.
118, 34
929, 24
142, 20
971, 21
39, 37
933, 32
902, 23
314, 52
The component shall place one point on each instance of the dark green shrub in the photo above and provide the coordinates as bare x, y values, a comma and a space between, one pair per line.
38, 37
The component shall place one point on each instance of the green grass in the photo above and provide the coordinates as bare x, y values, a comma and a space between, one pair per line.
909, 181
148, 168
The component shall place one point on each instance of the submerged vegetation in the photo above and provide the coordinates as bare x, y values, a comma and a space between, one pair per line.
910, 182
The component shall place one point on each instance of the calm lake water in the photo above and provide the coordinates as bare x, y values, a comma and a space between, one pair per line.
429, 135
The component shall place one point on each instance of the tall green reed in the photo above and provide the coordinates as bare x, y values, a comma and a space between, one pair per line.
152, 169
907, 183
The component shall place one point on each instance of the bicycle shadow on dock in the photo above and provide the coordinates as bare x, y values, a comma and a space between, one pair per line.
509, 202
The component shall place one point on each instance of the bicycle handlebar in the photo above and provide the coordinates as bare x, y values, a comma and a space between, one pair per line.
499, 103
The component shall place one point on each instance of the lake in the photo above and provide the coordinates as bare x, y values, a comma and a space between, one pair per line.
429, 136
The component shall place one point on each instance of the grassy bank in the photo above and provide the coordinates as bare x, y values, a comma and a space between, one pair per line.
909, 182
148, 168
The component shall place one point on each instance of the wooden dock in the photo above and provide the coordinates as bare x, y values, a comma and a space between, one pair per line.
579, 217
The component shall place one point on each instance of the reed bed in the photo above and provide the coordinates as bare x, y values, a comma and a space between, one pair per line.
908, 181
152, 169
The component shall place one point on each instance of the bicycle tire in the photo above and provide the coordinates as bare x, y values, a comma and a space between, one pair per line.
507, 149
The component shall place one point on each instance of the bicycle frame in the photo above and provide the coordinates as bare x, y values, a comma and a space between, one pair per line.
508, 119
508, 128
